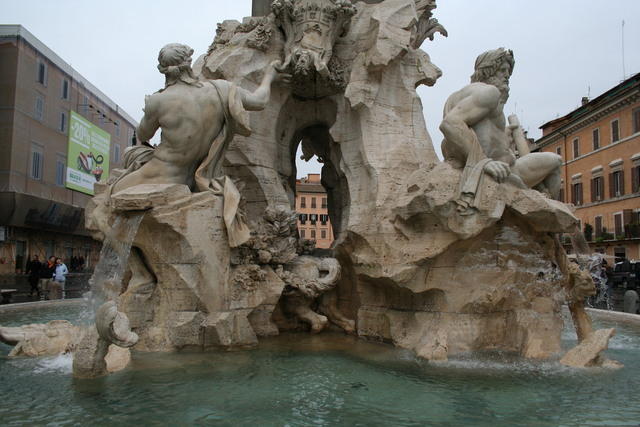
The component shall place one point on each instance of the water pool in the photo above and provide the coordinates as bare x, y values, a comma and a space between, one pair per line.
328, 379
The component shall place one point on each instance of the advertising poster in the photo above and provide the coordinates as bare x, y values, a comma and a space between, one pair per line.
87, 155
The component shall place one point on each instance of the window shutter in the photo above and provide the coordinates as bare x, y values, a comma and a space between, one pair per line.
622, 183
580, 192
594, 182
612, 187
635, 179
573, 193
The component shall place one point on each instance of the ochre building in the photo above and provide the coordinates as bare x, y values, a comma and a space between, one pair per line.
313, 214
600, 145
38, 93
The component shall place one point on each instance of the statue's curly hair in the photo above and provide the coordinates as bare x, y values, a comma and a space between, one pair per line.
488, 63
174, 61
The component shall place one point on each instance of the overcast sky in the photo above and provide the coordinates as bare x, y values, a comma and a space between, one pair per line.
564, 49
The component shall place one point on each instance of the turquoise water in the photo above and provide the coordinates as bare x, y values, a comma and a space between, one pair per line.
329, 379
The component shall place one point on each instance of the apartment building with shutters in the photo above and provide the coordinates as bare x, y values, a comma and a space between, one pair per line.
313, 212
600, 145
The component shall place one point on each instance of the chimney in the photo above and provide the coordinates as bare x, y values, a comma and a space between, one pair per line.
585, 100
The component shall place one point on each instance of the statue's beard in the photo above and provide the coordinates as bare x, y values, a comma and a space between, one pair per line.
502, 86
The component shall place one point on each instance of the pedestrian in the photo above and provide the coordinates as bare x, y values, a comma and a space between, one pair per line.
34, 270
46, 275
59, 278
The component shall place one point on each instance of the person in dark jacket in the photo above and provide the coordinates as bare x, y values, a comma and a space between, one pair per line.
34, 270
46, 277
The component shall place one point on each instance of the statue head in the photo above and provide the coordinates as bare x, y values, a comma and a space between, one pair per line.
494, 67
174, 61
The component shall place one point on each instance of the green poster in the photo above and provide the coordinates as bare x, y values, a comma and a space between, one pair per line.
88, 154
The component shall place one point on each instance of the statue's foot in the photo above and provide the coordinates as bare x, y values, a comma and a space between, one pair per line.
319, 324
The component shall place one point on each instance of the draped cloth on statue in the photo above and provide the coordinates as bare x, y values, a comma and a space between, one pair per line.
471, 179
208, 175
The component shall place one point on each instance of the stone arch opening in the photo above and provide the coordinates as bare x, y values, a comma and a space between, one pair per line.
317, 209
308, 122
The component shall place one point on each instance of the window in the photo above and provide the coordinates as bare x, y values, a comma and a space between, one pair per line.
324, 203
617, 221
635, 178
65, 89
615, 131
561, 195
313, 234
39, 108
596, 139
323, 234
302, 234
303, 202
598, 227
597, 189
616, 184
303, 218
576, 148
60, 170
313, 218
576, 194
559, 151
42, 72
116, 153
85, 104
63, 122
37, 161
635, 118
313, 203
117, 125
324, 218
620, 253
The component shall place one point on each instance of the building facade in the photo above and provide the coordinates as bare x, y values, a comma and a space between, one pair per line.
600, 145
313, 213
38, 94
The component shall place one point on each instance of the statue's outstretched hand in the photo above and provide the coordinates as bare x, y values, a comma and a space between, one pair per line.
498, 170
278, 74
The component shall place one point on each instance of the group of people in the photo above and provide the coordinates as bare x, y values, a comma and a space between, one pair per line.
47, 279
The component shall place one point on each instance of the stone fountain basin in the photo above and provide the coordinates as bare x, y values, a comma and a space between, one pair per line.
327, 379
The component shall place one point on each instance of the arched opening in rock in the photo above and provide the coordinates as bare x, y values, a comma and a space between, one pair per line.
320, 193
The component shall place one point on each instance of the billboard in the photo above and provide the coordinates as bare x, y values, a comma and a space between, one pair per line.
87, 154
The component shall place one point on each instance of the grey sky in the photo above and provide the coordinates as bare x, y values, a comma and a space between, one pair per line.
564, 49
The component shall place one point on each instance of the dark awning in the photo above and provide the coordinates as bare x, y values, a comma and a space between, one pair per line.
25, 210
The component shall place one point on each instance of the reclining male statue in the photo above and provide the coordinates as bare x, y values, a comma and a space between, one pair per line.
478, 139
198, 119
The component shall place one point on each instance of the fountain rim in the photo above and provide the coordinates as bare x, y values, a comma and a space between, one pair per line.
40, 304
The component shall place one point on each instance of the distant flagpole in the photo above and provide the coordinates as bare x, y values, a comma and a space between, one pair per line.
624, 71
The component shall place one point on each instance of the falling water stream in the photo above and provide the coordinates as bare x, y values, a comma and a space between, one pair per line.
591, 262
106, 281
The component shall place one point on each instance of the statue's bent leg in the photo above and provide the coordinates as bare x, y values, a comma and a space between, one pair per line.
540, 168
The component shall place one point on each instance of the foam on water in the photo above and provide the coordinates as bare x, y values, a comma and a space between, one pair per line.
60, 364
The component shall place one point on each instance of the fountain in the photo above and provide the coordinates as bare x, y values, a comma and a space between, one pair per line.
441, 259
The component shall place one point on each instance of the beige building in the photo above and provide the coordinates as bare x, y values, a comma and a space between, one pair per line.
600, 145
38, 92
313, 214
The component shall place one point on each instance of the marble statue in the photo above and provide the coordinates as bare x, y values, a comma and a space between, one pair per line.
198, 119
440, 258
478, 139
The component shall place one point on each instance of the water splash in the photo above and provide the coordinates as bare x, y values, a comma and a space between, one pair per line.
61, 363
106, 281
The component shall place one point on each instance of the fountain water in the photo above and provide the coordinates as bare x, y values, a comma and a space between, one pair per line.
106, 281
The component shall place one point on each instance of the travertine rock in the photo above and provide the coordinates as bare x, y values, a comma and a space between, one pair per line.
424, 263
588, 352
60, 336
49, 339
